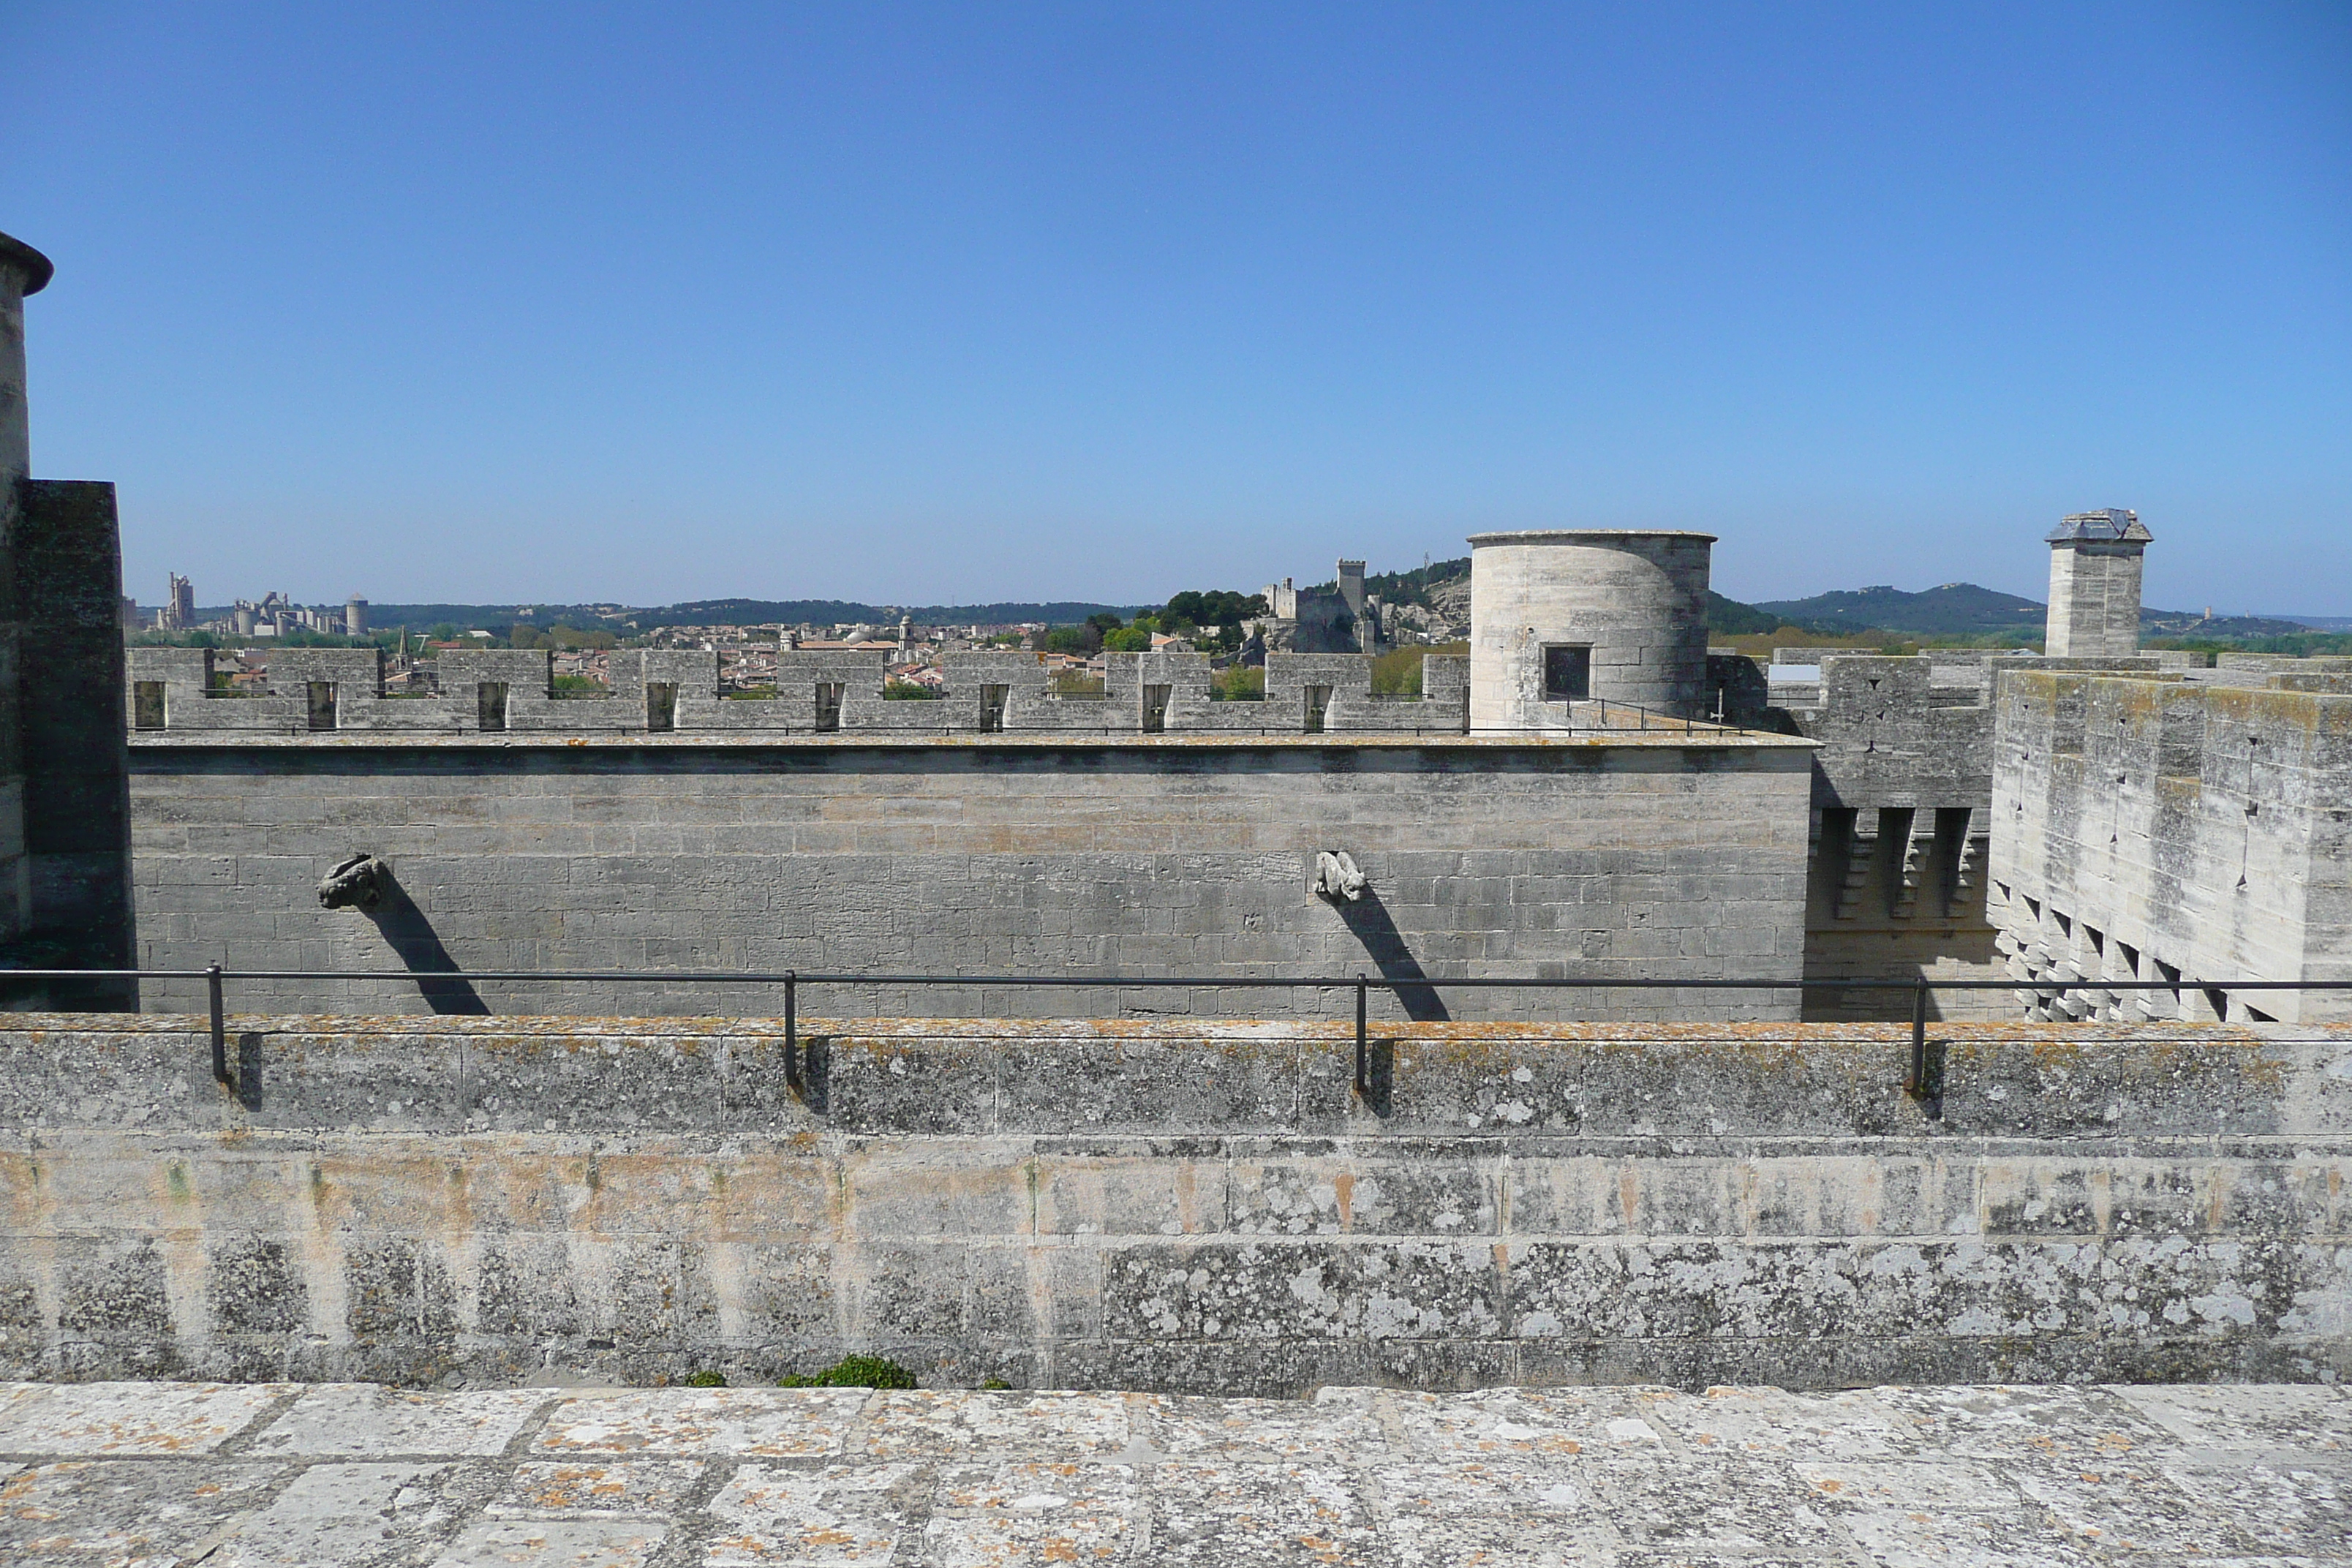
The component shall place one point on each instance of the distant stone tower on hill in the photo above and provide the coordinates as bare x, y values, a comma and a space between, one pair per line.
2095, 563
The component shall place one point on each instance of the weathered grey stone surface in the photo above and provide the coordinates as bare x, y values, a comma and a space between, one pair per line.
1623, 1478
1634, 600
1207, 1208
1902, 821
2095, 579
191, 708
2164, 833
1671, 857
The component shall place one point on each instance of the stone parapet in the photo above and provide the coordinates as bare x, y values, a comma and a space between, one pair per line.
172, 691
1189, 1206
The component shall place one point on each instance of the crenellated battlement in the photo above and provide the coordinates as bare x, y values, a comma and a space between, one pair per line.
172, 691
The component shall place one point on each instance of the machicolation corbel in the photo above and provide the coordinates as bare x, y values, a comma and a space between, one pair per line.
355, 883
1336, 876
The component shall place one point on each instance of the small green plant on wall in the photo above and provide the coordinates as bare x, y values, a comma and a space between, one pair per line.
854, 1372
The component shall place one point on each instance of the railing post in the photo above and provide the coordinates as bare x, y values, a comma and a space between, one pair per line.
1363, 1062
1915, 1082
792, 1032
220, 1024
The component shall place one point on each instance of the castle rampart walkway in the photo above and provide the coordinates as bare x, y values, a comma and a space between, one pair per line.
352, 1473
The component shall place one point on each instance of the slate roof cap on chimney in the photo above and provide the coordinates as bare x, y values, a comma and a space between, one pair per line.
2113, 526
36, 268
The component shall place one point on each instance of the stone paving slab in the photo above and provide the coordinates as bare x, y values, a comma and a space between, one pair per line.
2169, 1477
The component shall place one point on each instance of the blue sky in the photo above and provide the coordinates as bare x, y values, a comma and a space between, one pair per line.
645, 303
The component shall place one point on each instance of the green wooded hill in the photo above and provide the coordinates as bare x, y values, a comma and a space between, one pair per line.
1954, 609
1964, 609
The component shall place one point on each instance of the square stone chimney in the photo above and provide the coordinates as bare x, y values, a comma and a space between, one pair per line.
2095, 566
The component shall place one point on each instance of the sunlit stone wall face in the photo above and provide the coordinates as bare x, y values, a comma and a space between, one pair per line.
1635, 603
1657, 857
1175, 1205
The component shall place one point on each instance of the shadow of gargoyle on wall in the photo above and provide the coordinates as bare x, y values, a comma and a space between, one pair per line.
404, 928
1384, 945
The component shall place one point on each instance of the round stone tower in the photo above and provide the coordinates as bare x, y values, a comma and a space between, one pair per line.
23, 270
1561, 616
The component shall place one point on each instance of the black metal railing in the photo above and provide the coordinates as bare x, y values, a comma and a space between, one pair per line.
1916, 1079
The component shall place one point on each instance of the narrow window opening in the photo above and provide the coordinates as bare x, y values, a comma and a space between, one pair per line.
1566, 672
1155, 708
147, 705
828, 704
992, 699
661, 705
490, 704
1319, 703
2256, 1015
322, 704
2171, 975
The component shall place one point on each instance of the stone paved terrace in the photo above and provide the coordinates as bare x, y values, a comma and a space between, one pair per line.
344, 1473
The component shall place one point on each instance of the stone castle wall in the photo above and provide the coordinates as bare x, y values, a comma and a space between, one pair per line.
1658, 856
1164, 1206
1902, 823
2156, 830
656, 692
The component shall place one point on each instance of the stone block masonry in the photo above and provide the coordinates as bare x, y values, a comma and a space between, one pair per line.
1564, 616
1902, 821
495, 690
1658, 857
2173, 837
728, 1477
1204, 1207
2094, 584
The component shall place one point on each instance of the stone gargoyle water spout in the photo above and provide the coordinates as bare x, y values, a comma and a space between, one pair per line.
1336, 876
356, 882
